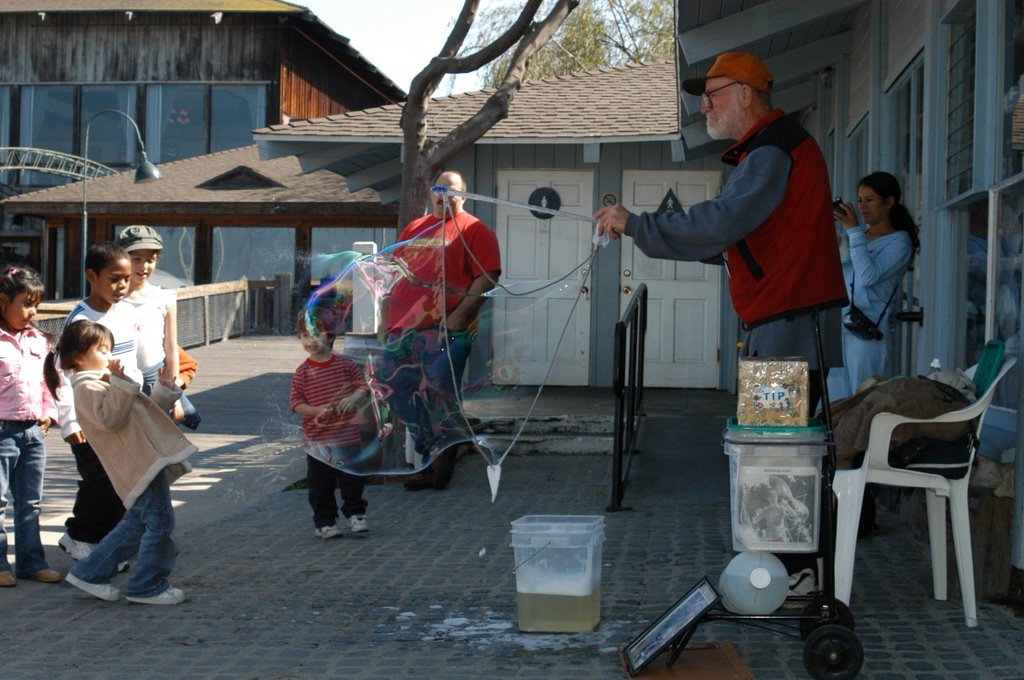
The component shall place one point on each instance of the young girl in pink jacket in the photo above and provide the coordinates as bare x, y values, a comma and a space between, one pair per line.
26, 412
142, 451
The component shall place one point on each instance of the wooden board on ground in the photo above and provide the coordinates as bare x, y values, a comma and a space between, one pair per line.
698, 661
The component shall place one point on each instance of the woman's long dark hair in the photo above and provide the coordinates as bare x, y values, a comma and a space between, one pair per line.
886, 185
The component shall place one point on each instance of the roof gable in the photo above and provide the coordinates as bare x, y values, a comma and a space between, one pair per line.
241, 177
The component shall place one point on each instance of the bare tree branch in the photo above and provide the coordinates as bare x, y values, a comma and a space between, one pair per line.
422, 157
501, 44
460, 30
496, 107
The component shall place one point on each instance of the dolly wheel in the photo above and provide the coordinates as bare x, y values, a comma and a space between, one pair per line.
833, 652
844, 617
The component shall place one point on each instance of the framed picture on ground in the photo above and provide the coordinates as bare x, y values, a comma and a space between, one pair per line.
670, 626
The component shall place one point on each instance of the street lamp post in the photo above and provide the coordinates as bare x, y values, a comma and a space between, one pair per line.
144, 172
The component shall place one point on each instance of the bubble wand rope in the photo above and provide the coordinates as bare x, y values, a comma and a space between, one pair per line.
512, 204
446, 192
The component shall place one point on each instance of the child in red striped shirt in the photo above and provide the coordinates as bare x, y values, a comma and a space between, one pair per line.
327, 390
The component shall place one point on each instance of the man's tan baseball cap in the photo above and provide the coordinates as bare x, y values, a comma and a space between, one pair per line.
742, 67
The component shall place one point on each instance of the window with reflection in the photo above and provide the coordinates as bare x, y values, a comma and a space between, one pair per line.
235, 111
977, 280
5, 126
175, 122
960, 33
907, 105
258, 253
1013, 129
333, 248
47, 122
1005, 250
111, 137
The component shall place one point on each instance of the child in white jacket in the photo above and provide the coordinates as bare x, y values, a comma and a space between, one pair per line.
136, 442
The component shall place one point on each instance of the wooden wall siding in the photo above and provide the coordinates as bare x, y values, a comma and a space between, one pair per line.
106, 47
314, 84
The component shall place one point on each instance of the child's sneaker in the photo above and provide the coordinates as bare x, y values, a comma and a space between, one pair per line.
329, 531
104, 591
357, 524
78, 550
170, 596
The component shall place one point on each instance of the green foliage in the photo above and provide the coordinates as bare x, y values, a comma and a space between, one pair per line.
598, 33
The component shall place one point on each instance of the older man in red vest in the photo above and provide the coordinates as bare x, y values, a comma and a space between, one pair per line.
772, 224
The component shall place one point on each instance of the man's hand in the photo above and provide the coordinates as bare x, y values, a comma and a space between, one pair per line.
612, 221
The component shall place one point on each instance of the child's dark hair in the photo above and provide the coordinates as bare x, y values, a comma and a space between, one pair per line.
312, 326
77, 339
15, 280
102, 254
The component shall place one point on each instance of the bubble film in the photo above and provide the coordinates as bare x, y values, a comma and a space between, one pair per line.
424, 388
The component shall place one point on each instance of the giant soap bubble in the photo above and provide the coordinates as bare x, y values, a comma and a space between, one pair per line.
427, 388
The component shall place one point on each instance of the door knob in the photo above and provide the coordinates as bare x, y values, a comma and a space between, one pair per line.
627, 290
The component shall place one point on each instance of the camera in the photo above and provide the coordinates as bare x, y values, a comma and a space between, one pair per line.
837, 205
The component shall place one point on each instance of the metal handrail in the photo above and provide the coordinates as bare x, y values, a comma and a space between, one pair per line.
628, 386
53, 162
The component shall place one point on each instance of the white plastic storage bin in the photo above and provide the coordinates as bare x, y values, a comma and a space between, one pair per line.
775, 483
558, 572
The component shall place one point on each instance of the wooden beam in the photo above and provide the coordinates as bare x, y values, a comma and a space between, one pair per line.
203, 254
272, 148
319, 155
760, 21
375, 174
794, 64
390, 193
697, 143
794, 98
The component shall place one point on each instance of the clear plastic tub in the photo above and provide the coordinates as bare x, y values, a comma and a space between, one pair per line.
775, 484
558, 572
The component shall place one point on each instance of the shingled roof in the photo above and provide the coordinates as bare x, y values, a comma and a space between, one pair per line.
627, 103
274, 187
22, 6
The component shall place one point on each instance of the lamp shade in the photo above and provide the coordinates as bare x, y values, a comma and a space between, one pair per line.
146, 172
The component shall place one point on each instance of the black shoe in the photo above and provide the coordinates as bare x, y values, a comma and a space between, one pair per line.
421, 480
192, 420
444, 466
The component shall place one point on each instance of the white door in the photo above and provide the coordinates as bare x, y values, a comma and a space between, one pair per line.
528, 327
682, 348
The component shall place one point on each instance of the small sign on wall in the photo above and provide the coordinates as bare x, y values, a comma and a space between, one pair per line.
544, 197
669, 204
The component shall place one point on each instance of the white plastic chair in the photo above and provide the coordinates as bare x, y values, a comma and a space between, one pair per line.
848, 486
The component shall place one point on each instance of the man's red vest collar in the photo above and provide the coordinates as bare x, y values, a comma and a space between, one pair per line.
734, 154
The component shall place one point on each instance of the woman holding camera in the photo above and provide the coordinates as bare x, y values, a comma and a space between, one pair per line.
881, 250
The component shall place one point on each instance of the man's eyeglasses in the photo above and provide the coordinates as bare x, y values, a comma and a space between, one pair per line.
705, 99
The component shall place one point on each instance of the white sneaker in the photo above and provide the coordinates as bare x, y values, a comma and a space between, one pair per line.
357, 524
170, 596
104, 591
78, 550
329, 531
